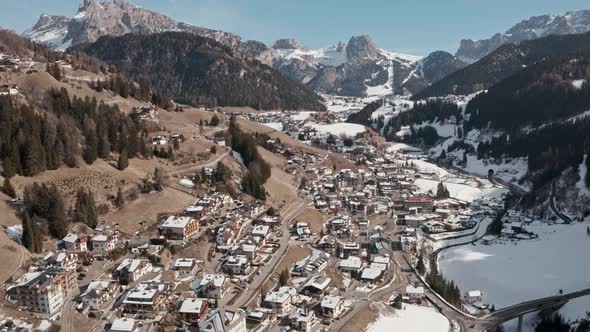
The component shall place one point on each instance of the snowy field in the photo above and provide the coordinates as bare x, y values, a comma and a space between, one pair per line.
460, 187
274, 125
512, 272
348, 129
411, 318
395, 147
302, 116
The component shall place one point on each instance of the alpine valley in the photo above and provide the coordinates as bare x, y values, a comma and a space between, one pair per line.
162, 176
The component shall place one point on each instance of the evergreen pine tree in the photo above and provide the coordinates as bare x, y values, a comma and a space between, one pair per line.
91, 151
120, 199
420, 267
57, 214
86, 208
284, 277
8, 189
28, 236
123, 162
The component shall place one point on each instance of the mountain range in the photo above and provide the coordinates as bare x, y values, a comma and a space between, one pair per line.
111, 18
355, 68
503, 62
532, 28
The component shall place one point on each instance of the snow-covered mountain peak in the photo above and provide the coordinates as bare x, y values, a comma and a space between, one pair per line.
362, 47
531, 28
115, 17
287, 44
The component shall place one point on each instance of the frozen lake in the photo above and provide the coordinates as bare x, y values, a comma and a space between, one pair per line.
512, 272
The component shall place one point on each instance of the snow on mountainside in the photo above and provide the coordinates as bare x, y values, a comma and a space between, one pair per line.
117, 17
355, 68
532, 28
361, 68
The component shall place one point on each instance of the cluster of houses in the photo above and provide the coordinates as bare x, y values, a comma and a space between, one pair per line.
44, 289
9, 62
145, 112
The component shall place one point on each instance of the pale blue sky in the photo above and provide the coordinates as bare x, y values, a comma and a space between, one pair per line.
410, 26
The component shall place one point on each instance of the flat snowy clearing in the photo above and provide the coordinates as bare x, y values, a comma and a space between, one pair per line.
348, 129
411, 318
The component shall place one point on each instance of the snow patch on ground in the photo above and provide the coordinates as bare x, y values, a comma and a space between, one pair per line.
411, 318
578, 83
466, 191
510, 171
301, 116
274, 125
426, 167
402, 147
348, 129
443, 129
15, 232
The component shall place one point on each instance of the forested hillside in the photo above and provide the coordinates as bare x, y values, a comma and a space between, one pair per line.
32, 142
548, 91
503, 62
200, 71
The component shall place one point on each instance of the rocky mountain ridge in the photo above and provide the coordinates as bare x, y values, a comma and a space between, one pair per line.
354, 68
114, 18
532, 28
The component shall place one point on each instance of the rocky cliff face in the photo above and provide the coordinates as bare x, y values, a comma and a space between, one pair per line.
114, 18
532, 28
360, 68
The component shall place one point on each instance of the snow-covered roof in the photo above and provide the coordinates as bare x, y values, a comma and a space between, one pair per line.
331, 301
414, 290
371, 273
351, 262
123, 325
192, 306
474, 293
176, 222
99, 238
70, 238
183, 262
216, 279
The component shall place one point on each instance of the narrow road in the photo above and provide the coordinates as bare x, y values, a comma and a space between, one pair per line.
192, 168
68, 307
268, 270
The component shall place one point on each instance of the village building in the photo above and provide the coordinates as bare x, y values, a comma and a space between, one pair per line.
132, 269
124, 324
280, 301
414, 294
145, 298
184, 266
332, 306
212, 286
193, 309
179, 228
237, 265
43, 292
61, 259
75, 242
302, 320
98, 293
473, 296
